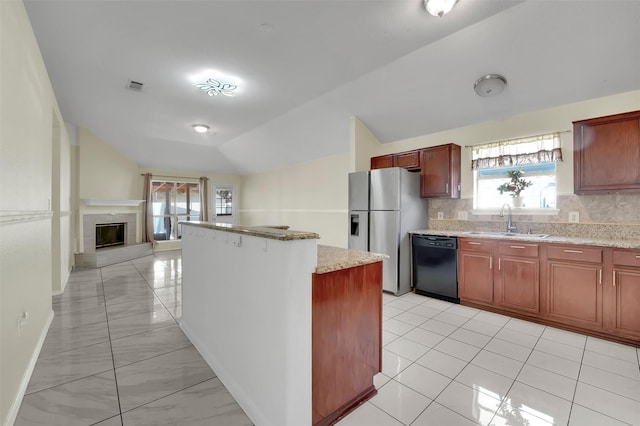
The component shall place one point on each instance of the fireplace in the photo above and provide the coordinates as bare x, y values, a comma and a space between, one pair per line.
91, 222
109, 238
110, 234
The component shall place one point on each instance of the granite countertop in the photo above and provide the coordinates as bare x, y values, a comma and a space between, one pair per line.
555, 239
272, 232
335, 258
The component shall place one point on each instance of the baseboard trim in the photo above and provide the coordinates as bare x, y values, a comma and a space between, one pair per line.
65, 281
15, 406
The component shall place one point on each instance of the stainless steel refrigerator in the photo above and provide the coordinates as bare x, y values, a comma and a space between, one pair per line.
384, 205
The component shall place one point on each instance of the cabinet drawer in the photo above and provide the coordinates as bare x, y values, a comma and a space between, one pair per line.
472, 244
626, 258
518, 249
576, 253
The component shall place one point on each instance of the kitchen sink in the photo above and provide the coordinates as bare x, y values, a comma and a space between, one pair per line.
505, 234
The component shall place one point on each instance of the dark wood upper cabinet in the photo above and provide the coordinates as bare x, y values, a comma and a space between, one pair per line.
409, 160
440, 171
606, 154
382, 162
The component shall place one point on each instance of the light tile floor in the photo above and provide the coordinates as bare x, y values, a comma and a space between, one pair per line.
450, 365
115, 356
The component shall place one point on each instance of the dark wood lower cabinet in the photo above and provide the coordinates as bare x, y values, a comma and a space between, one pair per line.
518, 284
575, 294
346, 339
626, 283
586, 289
475, 276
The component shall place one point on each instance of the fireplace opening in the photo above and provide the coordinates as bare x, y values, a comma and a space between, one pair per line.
109, 234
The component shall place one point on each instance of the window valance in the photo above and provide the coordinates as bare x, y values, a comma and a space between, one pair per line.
516, 152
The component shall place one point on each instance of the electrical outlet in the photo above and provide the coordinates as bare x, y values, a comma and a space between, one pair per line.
440, 215
574, 216
462, 215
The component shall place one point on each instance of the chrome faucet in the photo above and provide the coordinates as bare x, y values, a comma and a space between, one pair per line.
510, 226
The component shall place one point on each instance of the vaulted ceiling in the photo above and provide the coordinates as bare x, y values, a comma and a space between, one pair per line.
303, 67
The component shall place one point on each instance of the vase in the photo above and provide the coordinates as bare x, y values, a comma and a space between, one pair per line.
517, 202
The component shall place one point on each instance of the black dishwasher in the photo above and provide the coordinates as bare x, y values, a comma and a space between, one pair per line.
435, 266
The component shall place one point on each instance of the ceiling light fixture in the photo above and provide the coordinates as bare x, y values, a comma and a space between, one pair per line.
213, 87
439, 7
490, 85
201, 128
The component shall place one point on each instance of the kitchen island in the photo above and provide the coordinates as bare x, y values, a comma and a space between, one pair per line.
292, 328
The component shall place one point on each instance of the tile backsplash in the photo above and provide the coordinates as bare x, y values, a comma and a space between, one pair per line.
614, 216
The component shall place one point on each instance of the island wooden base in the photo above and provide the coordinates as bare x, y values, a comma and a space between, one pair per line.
347, 408
346, 340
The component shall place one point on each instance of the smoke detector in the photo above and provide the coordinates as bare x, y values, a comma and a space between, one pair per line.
134, 85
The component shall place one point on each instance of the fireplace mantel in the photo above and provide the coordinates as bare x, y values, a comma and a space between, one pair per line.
100, 202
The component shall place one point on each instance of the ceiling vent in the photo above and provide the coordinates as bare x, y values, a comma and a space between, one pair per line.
134, 85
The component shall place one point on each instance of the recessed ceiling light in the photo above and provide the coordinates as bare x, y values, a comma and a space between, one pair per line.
439, 7
490, 85
213, 87
201, 128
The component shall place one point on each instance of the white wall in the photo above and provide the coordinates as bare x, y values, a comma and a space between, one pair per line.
363, 146
310, 196
61, 237
27, 108
535, 123
104, 172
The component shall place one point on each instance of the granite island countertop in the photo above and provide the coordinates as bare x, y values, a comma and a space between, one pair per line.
329, 258
272, 232
335, 258
554, 239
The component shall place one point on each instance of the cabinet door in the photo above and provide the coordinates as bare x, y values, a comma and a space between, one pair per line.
344, 363
382, 162
607, 154
475, 277
518, 284
627, 296
407, 160
440, 172
575, 294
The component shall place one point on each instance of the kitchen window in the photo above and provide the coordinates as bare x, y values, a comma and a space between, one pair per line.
536, 156
173, 202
